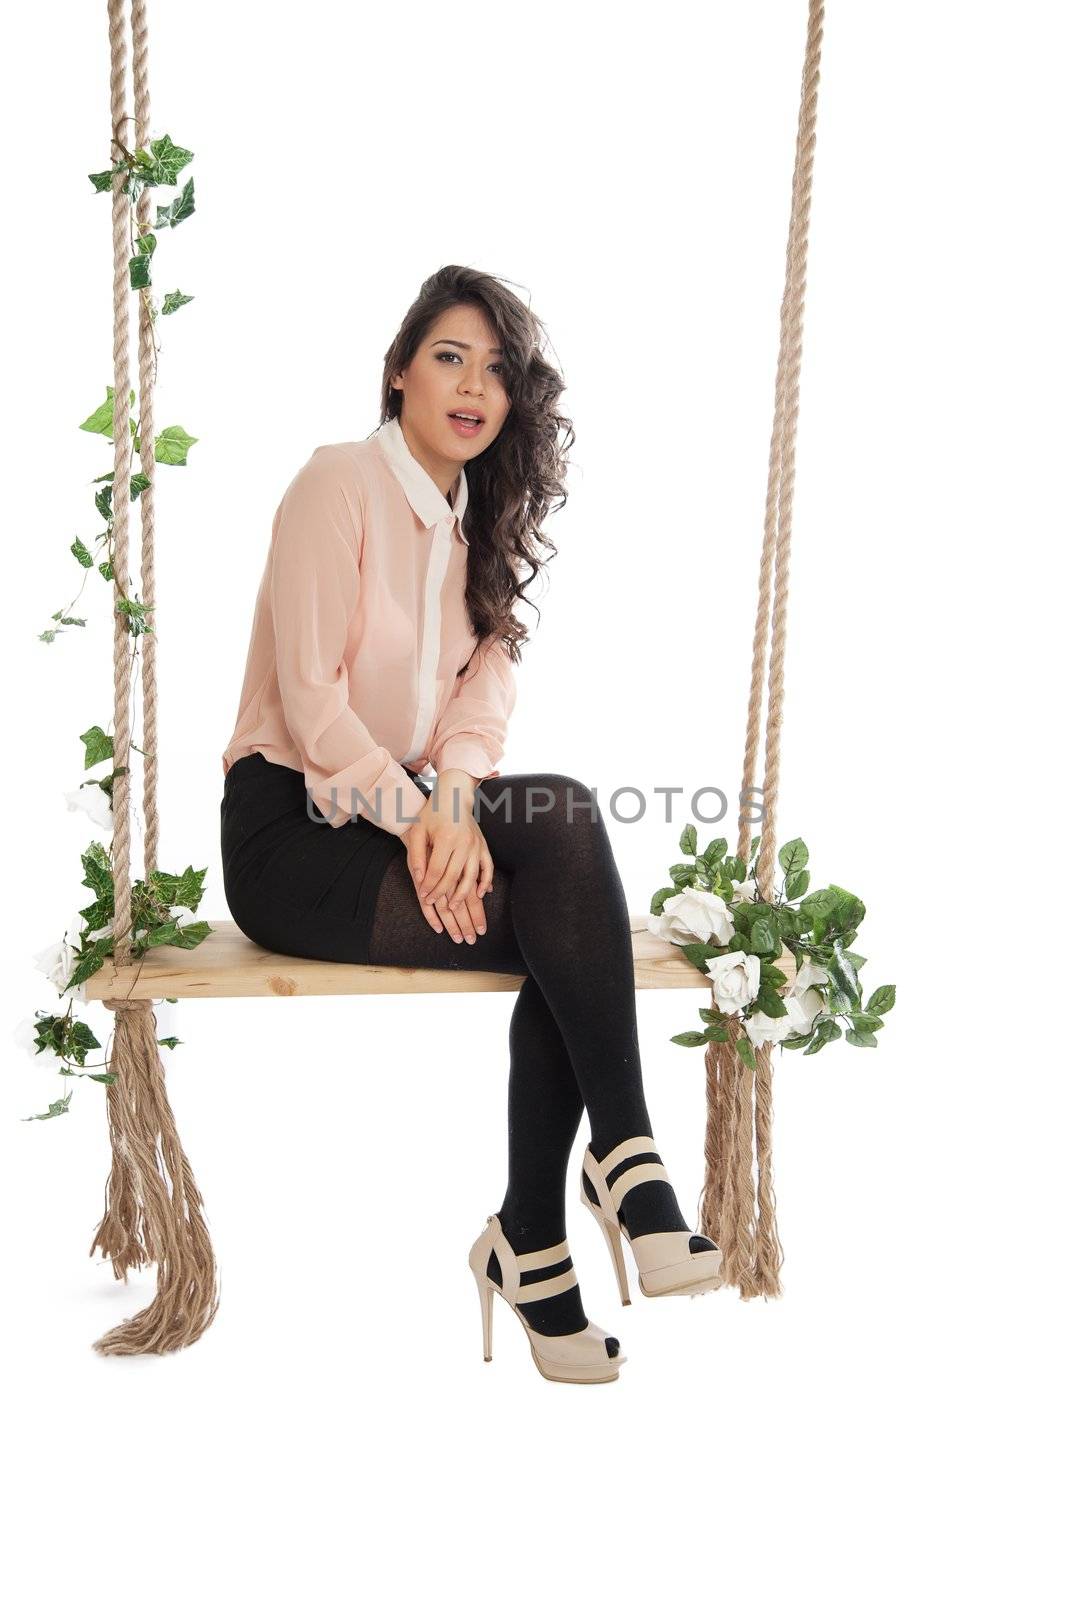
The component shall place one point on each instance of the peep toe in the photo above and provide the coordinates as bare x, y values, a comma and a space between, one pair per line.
588, 1356
665, 1261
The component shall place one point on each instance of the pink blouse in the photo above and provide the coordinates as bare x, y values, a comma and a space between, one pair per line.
360, 634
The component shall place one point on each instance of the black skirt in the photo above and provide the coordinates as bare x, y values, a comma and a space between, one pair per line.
293, 883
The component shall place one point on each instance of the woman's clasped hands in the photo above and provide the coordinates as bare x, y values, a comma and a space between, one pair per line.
448, 859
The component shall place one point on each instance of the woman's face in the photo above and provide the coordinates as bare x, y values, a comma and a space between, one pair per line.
458, 367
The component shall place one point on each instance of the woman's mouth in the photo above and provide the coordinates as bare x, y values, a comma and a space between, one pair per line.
465, 425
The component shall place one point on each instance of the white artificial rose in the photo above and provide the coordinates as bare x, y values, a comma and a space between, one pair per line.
57, 961
93, 800
735, 978
694, 915
761, 1029
804, 1010
101, 933
807, 974
745, 890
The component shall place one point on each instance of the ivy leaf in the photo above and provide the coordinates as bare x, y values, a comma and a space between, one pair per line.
140, 272
98, 745
80, 553
172, 446
170, 1041
56, 1109
102, 1077
174, 301
165, 161
102, 420
186, 890
179, 209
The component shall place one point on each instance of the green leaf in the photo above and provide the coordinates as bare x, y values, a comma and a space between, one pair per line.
80, 553
842, 975
770, 1002
179, 209
102, 1077
140, 272
698, 954
174, 301
98, 745
186, 890
820, 904
56, 1109
793, 856
763, 939
102, 181
881, 999
106, 570
102, 419
796, 884
865, 1041
689, 842
690, 1040
167, 160
172, 446
84, 968
862, 1022
745, 1053
714, 853
170, 1041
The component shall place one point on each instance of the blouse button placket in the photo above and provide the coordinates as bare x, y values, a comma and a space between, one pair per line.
430, 643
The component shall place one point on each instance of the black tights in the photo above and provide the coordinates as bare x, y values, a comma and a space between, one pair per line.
558, 913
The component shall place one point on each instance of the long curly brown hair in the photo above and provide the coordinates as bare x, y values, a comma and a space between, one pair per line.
518, 481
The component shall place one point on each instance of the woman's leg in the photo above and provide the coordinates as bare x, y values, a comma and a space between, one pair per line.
544, 1104
563, 916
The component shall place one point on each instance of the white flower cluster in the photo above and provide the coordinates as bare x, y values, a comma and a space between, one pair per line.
699, 916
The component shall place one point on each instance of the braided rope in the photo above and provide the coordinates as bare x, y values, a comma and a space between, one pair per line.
751, 1247
153, 1210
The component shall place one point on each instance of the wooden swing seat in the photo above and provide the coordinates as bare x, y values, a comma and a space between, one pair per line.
227, 965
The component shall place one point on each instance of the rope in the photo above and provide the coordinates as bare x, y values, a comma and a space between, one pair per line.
120, 801
153, 1210
749, 1242
142, 107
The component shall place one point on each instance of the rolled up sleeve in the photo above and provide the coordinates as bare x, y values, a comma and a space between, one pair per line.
314, 588
472, 729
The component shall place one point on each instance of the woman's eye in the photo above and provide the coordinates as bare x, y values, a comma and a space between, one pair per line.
442, 355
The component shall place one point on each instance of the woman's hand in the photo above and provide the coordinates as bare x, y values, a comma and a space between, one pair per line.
448, 859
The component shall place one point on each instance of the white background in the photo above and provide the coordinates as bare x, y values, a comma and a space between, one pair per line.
883, 1424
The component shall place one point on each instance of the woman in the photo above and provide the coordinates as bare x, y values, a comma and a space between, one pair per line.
383, 643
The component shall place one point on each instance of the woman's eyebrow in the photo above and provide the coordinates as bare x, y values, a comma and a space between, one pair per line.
495, 350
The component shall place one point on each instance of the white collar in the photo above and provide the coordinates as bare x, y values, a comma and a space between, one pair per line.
424, 496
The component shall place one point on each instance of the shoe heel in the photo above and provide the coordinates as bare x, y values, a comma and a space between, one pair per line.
484, 1289
612, 1235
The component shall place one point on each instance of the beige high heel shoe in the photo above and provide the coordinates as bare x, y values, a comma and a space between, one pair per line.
665, 1263
581, 1357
